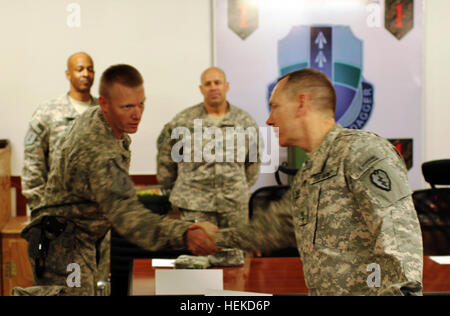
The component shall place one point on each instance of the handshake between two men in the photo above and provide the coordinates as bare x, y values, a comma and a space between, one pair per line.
201, 238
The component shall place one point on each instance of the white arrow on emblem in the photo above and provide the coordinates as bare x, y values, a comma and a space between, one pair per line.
321, 40
321, 59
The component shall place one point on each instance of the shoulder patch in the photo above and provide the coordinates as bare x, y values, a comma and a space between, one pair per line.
31, 137
381, 179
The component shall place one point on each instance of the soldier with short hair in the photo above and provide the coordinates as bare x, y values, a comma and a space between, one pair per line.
49, 124
217, 189
349, 209
47, 128
211, 185
89, 191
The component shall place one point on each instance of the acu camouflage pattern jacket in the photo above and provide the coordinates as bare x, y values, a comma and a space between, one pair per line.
210, 185
350, 212
89, 185
47, 127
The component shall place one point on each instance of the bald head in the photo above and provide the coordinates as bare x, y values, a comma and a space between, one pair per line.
213, 70
73, 60
214, 87
80, 73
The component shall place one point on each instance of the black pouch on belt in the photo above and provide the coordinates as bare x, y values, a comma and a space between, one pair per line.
39, 233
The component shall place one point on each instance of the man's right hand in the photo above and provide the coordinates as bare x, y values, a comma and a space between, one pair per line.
201, 238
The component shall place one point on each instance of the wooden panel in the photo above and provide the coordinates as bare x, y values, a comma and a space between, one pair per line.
436, 277
21, 202
143, 180
14, 226
16, 268
5, 185
5, 190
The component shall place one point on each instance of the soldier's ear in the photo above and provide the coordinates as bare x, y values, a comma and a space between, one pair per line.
103, 102
302, 100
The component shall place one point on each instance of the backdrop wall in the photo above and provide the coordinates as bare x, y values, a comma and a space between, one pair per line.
436, 78
170, 42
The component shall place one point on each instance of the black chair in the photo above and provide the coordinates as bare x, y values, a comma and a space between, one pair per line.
283, 168
433, 208
262, 197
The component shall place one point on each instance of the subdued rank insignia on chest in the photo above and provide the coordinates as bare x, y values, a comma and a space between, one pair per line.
381, 179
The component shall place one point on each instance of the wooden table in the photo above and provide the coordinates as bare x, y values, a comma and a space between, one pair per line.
276, 276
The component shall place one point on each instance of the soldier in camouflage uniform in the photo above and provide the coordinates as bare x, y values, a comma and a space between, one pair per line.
48, 126
89, 191
349, 209
50, 122
216, 190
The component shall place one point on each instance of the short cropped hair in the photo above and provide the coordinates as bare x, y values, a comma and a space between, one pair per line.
124, 74
313, 82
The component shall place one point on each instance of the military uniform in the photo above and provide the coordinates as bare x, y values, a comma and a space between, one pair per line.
351, 214
47, 127
215, 190
89, 191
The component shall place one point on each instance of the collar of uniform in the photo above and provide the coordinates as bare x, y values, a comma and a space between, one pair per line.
126, 142
67, 109
70, 112
228, 118
317, 159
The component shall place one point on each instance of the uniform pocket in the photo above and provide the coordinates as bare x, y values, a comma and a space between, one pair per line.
303, 212
301, 206
332, 212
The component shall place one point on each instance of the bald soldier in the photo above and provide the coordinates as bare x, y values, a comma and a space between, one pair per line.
349, 209
49, 123
89, 191
217, 188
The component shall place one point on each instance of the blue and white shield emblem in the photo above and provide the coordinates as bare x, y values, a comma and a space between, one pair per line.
335, 51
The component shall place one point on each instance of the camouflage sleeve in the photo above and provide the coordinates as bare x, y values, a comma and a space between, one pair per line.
379, 182
270, 229
35, 168
252, 172
166, 167
115, 193
253, 161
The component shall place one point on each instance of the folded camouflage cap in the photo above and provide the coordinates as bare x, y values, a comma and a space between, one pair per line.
192, 262
227, 258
